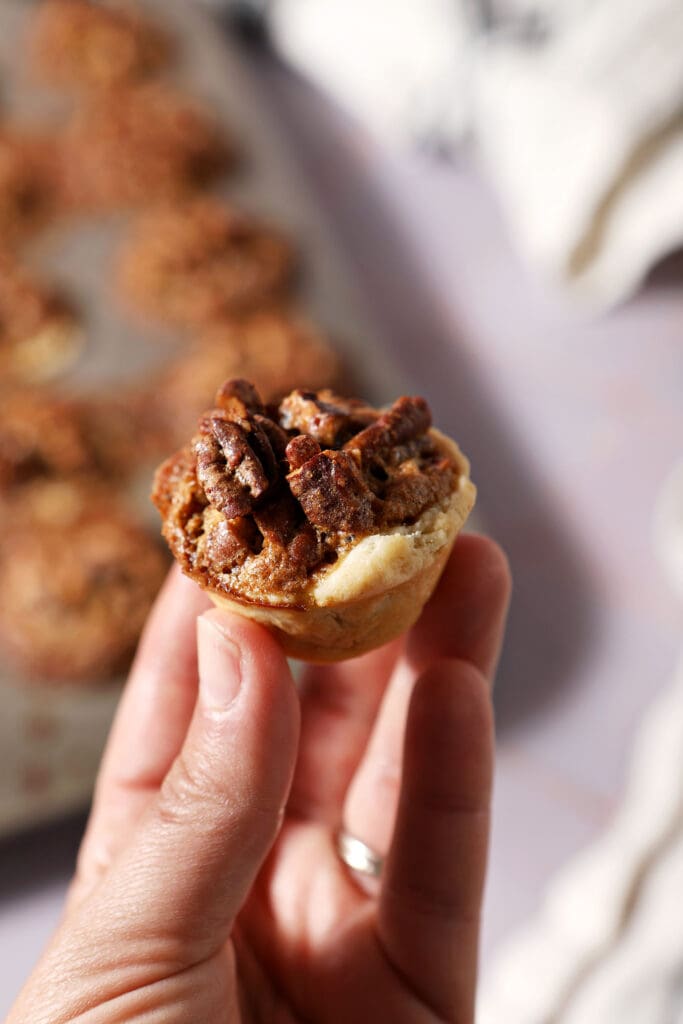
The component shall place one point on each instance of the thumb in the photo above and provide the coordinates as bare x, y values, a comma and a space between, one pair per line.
192, 861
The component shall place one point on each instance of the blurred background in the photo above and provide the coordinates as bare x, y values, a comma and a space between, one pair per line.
484, 203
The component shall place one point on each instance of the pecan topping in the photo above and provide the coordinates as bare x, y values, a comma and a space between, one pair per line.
278, 493
413, 489
239, 395
276, 435
279, 520
333, 493
230, 464
328, 419
407, 419
231, 541
300, 449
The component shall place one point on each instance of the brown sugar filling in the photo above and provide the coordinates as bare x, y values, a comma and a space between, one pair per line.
265, 497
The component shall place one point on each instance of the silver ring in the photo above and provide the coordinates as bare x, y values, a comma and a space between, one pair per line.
358, 856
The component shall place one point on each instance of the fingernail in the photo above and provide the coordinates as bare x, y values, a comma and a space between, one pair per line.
220, 671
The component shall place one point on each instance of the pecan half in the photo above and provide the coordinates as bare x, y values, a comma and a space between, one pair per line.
230, 471
406, 420
412, 489
300, 449
231, 541
329, 419
333, 493
239, 396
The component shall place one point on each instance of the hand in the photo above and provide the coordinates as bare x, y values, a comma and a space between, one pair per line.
208, 887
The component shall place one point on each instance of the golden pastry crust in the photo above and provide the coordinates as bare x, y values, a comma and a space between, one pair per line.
190, 264
81, 45
325, 519
74, 595
39, 333
29, 184
139, 144
277, 348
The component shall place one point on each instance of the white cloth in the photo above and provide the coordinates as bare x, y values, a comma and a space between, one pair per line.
577, 106
607, 945
583, 138
399, 65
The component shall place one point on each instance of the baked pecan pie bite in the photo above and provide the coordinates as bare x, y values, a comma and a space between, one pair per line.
324, 518
139, 144
191, 263
75, 591
46, 437
78, 44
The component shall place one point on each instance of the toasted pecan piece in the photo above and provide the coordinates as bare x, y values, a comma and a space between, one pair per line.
320, 467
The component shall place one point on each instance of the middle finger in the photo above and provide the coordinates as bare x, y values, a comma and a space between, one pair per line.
339, 705
464, 620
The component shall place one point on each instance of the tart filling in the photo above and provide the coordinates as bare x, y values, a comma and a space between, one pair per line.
268, 503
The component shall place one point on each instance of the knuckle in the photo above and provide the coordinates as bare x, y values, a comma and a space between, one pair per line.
192, 797
187, 793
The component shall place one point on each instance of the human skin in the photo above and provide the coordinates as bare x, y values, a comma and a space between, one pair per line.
208, 887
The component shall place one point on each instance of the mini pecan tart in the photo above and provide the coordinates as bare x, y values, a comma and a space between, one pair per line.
75, 591
139, 144
40, 337
46, 437
77, 44
325, 519
189, 264
276, 348
41, 438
